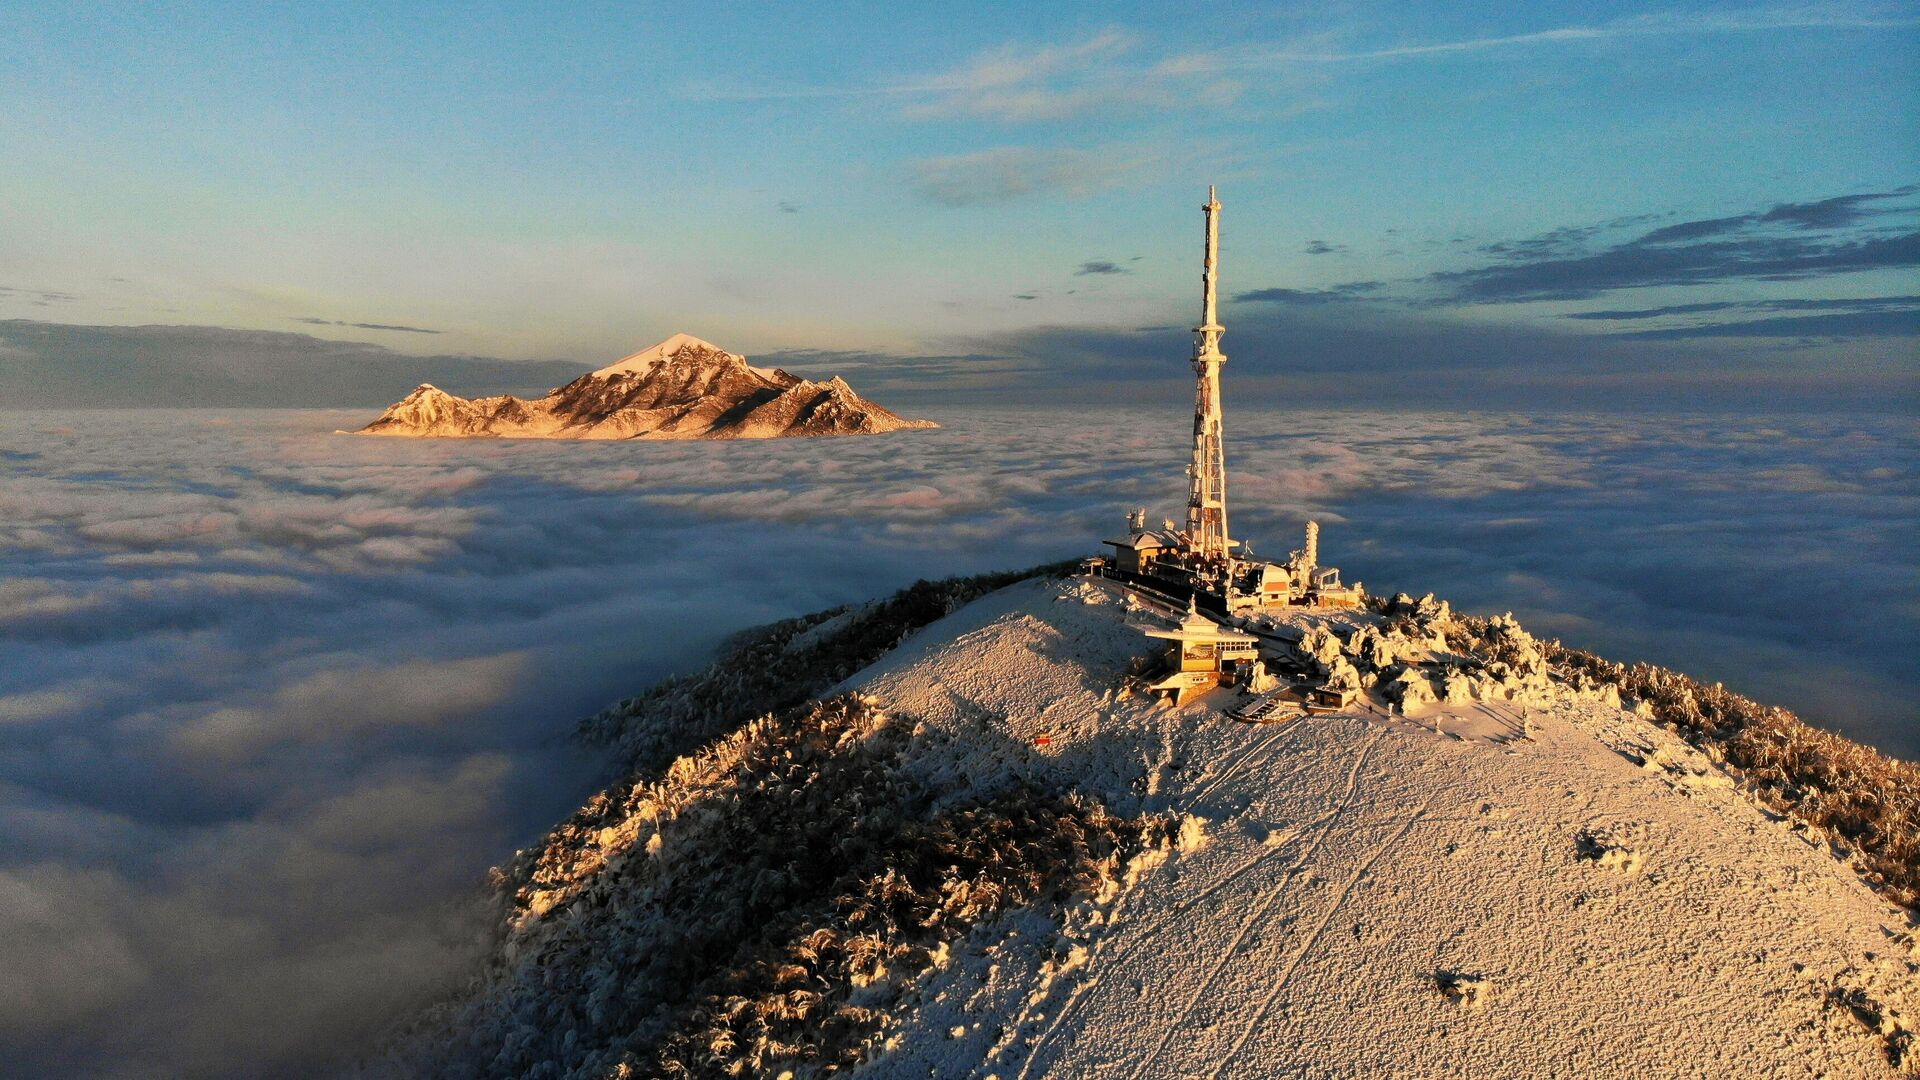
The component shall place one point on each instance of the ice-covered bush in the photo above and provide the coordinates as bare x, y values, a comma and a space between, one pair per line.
756, 906
778, 666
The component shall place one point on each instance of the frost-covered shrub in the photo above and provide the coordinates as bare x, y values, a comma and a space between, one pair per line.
1407, 688
1456, 688
779, 666
1371, 650
757, 907
1320, 645
1341, 674
1424, 623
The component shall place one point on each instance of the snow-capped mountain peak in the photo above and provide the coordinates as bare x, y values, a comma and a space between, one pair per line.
680, 388
663, 352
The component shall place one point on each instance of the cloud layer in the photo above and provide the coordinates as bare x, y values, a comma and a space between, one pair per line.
271, 699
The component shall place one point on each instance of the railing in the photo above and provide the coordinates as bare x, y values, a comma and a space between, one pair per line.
1173, 592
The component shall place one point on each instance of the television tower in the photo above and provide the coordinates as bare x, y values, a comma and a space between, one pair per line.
1207, 499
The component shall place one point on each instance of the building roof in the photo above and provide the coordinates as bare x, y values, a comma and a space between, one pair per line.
1197, 627
1142, 541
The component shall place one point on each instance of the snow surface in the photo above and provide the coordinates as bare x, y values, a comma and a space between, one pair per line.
1556, 888
654, 355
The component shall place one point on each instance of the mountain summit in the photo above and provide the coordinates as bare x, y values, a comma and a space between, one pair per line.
984, 851
680, 388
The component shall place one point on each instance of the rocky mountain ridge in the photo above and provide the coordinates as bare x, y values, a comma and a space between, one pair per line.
680, 388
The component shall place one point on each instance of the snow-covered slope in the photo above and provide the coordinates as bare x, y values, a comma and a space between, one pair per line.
1481, 889
681, 388
1527, 882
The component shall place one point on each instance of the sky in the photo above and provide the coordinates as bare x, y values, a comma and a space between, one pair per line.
1710, 199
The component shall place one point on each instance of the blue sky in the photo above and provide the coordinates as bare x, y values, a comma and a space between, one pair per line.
911, 181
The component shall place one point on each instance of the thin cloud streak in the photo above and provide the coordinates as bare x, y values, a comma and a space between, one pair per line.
1253, 57
310, 321
1004, 173
1019, 82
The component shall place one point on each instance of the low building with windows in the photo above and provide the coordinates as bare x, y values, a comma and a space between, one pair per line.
1202, 655
1139, 551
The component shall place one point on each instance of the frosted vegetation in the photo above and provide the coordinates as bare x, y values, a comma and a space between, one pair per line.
780, 879
757, 907
779, 666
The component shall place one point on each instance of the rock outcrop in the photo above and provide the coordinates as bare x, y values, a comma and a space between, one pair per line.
682, 388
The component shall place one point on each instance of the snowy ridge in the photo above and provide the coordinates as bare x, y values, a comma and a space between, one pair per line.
1512, 876
679, 388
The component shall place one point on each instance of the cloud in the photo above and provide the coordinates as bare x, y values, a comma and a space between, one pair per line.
1769, 245
52, 701
334, 704
367, 326
1100, 266
1873, 303
1839, 211
1004, 173
1351, 290
36, 297
1023, 82
1656, 313
66, 943
891, 373
1848, 324
1316, 347
1259, 56
1112, 69
1881, 316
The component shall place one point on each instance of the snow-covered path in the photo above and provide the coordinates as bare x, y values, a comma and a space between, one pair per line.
1446, 895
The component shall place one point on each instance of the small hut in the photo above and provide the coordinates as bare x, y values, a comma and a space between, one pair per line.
1203, 654
1137, 552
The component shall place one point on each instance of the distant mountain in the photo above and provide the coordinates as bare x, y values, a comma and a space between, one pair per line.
682, 388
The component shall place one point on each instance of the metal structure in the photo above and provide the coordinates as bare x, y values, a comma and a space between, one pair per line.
1206, 532
1202, 561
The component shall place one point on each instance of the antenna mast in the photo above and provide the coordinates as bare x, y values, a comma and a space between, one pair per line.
1207, 497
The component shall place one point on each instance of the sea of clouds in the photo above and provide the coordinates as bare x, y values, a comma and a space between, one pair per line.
272, 699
